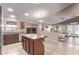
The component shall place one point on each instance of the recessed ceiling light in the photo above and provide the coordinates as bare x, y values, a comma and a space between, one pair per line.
26, 14
10, 9
13, 16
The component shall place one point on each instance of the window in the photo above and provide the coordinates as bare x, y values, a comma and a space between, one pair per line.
73, 30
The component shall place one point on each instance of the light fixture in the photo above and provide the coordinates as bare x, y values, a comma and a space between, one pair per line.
26, 14
40, 14
13, 16
10, 9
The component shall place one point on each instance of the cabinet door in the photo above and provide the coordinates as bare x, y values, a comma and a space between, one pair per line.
7, 39
0, 50
22, 24
31, 49
38, 47
25, 44
15, 37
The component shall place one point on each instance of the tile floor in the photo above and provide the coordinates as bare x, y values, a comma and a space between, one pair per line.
53, 47
66, 47
13, 49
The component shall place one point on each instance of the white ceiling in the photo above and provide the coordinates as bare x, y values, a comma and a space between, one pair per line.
31, 8
58, 19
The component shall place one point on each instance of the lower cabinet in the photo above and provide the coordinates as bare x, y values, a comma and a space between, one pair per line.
25, 44
33, 47
0, 50
9, 39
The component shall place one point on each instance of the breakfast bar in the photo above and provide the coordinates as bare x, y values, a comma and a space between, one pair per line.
33, 44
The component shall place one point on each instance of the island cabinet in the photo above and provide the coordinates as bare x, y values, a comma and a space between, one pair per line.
25, 44
33, 46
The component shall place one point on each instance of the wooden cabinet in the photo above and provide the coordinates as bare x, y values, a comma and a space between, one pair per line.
0, 50
22, 24
33, 47
8, 39
36, 47
25, 44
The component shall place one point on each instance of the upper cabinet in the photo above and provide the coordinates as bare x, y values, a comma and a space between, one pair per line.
22, 24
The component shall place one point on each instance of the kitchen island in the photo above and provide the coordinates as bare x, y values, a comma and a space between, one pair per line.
33, 44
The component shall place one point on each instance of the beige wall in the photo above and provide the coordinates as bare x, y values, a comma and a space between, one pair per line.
71, 10
0, 26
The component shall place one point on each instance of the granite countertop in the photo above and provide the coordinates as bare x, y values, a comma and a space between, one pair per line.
9, 33
33, 36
